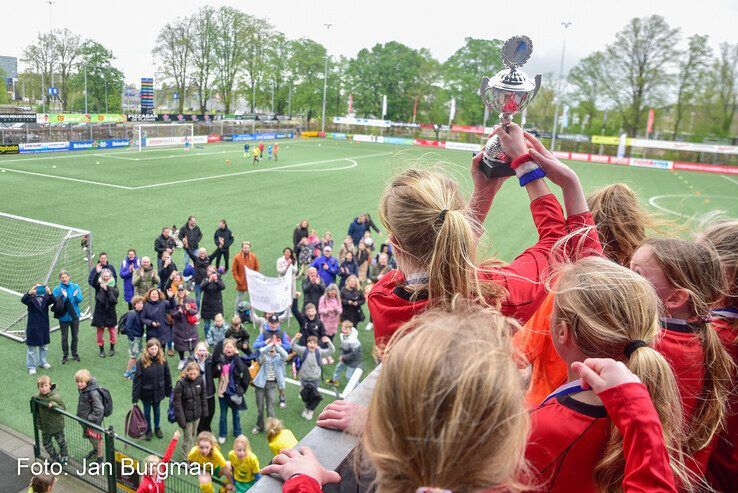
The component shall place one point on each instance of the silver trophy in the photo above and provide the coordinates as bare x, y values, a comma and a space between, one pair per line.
508, 93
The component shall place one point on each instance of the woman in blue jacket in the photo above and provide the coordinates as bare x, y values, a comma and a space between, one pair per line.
70, 295
129, 264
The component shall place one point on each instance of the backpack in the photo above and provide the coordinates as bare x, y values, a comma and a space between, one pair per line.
171, 413
122, 322
135, 424
107, 401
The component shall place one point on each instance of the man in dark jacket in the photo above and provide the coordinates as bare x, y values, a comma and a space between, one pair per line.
190, 231
312, 288
38, 300
164, 241
223, 239
102, 263
90, 408
357, 228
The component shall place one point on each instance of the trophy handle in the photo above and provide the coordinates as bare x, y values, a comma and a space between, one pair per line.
538, 86
483, 91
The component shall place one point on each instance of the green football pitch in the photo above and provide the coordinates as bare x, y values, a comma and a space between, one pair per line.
125, 197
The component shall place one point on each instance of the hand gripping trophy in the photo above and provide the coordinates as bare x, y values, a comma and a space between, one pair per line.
508, 93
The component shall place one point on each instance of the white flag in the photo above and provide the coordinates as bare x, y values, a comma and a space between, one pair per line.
452, 112
384, 106
269, 294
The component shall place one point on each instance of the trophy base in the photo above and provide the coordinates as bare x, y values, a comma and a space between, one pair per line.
495, 168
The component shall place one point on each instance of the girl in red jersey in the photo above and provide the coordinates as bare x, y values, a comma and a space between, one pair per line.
602, 310
435, 232
688, 279
473, 437
152, 481
722, 468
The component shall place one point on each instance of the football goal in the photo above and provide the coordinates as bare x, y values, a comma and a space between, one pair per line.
33, 252
166, 135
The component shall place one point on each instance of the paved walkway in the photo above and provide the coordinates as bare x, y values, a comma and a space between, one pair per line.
18, 445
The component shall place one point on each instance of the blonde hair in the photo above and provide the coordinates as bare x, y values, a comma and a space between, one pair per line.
243, 440
622, 223
273, 428
696, 269
43, 379
136, 299
332, 288
146, 359
236, 320
606, 306
460, 425
219, 316
191, 365
82, 376
432, 224
206, 436
723, 237
151, 462
202, 344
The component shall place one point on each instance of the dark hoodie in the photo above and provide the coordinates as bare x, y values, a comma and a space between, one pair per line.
90, 404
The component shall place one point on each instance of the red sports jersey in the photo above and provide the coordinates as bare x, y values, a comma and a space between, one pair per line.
722, 467
391, 306
301, 484
681, 347
568, 438
156, 484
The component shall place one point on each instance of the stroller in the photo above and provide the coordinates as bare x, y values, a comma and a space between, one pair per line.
244, 312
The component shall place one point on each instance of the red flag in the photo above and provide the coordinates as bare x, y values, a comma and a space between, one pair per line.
415, 108
649, 127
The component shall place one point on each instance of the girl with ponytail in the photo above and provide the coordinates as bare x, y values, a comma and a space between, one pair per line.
689, 280
722, 468
603, 310
434, 232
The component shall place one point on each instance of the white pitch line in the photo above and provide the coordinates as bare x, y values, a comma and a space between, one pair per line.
320, 389
78, 180
730, 179
10, 291
321, 170
653, 201
262, 170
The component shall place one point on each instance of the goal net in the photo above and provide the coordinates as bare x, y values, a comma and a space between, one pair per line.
167, 135
33, 252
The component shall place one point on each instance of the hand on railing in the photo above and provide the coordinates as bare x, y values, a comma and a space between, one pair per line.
343, 416
292, 462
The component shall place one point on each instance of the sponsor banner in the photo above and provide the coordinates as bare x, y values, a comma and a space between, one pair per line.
227, 138
651, 163
463, 146
213, 138
310, 135
574, 137
467, 129
142, 118
428, 143
599, 158
173, 141
17, 118
611, 140
284, 135
243, 137
684, 146
367, 122
113, 143
265, 136
337, 136
43, 147
9, 149
363, 138
75, 118
269, 294
428, 126
562, 155
579, 156
175, 118
81, 145
396, 141
706, 168
409, 125
619, 160
147, 95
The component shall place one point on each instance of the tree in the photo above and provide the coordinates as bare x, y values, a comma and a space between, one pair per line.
40, 58
306, 64
275, 72
635, 67
722, 95
587, 85
540, 113
230, 45
463, 72
172, 50
4, 99
203, 54
67, 52
690, 84
258, 36
104, 82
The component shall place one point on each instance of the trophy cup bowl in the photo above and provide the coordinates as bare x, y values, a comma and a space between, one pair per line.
508, 92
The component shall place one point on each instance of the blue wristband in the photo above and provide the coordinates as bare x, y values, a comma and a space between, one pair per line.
530, 176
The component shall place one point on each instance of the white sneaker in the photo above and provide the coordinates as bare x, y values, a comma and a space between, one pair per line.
221, 440
283, 405
369, 326
32, 371
309, 415
46, 366
182, 365
302, 414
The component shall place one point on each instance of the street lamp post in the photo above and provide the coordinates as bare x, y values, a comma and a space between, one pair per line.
51, 33
325, 84
86, 112
566, 26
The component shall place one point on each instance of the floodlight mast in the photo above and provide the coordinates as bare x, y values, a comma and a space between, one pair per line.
566, 26
325, 83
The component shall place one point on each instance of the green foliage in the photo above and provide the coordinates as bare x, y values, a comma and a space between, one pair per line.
103, 80
4, 98
306, 65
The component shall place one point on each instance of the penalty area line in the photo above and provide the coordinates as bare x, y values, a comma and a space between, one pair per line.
78, 180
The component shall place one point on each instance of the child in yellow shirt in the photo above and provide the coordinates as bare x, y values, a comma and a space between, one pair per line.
206, 452
278, 437
244, 464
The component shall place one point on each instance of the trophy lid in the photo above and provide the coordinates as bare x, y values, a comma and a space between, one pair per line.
516, 51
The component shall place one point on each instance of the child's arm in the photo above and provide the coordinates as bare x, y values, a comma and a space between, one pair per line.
171, 447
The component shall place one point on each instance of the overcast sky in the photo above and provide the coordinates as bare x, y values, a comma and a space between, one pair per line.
129, 28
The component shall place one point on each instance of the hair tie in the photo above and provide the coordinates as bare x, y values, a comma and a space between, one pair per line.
632, 346
442, 216
706, 320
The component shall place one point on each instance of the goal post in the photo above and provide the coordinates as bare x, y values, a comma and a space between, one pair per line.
31, 252
165, 135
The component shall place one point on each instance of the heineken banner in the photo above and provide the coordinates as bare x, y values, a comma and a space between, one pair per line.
75, 118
